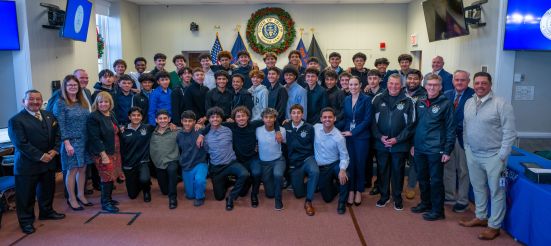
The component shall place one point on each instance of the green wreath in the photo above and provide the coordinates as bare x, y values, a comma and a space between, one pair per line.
288, 36
101, 44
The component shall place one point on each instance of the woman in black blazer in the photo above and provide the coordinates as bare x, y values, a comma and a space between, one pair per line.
103, 143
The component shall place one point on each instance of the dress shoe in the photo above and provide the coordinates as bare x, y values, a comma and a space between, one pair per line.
114, 202
88, 192
278, 205
488, 234
310, 210
147, 196
28, 229
172, 203
254, 200
374, 191
109, 207
433, 216
79, 208
341, 208
460, 208
88, 204
52, 216
229, 204
473, 222
421, 208
198, 202
410, 194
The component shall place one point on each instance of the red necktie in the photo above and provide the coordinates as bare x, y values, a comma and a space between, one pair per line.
456, 100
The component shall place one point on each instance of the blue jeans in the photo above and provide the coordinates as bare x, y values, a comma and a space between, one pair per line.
195, 181
271, 173
430, 173
329, 183
308, 168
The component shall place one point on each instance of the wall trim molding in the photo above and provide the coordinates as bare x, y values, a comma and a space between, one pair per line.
534, 134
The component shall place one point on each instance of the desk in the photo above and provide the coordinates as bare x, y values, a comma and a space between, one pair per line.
528, 217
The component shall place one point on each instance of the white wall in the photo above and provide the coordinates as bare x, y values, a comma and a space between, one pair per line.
124, 33
348, 28
49, 57
483, 47
534, 116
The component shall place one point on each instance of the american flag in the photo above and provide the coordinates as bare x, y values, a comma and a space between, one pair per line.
216, 48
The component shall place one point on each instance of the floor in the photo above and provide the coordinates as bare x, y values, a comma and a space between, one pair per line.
212, 225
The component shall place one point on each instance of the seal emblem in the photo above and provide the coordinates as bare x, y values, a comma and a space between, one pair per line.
400, 106
303, 134
143, 131
270, 30
545, 24
435, 109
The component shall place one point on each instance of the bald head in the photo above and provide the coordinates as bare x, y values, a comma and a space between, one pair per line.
82, 77
437, 63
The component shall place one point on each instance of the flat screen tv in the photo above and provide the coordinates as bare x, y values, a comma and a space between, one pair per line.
77, 18
445, 19
9, 38
528, 25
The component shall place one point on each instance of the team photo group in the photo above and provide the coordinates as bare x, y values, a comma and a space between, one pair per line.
345, 133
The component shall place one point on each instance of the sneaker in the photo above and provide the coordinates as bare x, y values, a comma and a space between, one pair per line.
398, 206
449, 201
278, 205
198, 202
460, 208
381, 203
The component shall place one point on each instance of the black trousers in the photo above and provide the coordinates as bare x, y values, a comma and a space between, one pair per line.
168, 179
369, 166
30, 187
329, 185
219, 176
430, 173
392, 168
137, 179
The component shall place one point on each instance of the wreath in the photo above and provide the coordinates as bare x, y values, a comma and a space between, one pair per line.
288, 36
101, 44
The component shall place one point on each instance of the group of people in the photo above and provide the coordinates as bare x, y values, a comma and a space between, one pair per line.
314, 130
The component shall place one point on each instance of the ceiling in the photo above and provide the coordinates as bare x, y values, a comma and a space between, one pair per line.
200, 2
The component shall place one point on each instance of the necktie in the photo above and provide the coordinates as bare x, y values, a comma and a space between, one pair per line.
478, 103
38, 115
456, 101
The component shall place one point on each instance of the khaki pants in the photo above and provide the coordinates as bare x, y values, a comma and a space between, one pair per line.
485, 173
456, 176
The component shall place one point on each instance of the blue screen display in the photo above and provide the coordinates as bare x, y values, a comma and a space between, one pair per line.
528, 25
9, 38
77, 18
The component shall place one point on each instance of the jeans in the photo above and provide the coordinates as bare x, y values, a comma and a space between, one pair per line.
249, 182
271, 173
485, 173
195, 181
168, 179
219, 177
137, 179
430, 171
456, 176
329, 185
358, 150
308, 168
392, 167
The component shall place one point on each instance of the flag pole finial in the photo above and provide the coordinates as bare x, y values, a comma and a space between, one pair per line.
312, 30
301, 31
238, 27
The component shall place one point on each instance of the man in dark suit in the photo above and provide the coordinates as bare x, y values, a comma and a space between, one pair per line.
456, 173
438, 68
35, 135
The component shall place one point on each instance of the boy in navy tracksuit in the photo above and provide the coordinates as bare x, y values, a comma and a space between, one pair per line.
135, 155
300, 149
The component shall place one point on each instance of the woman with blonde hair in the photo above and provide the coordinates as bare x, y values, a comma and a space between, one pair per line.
103, 143
72, 110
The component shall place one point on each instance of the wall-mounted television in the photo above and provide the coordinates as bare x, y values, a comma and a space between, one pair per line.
445, 19
9, 38
77, 18
528, 25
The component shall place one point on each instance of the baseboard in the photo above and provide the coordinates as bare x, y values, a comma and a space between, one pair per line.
534, 134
